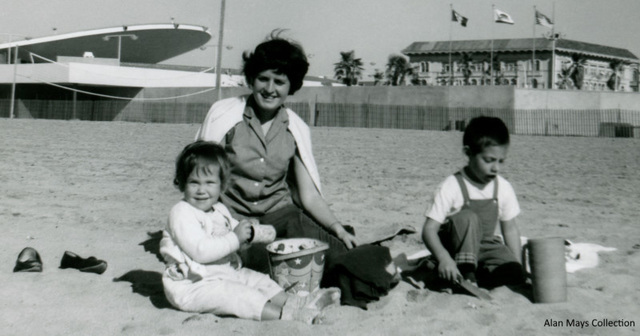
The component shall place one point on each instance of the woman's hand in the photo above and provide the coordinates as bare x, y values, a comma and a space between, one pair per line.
243, 231
348, 239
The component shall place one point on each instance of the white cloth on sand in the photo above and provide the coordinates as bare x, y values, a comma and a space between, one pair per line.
577, 255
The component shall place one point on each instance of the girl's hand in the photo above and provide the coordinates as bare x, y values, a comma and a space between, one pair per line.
348, 239
252, 221
243, 231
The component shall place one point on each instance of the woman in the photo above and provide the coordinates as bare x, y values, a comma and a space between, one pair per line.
274, 177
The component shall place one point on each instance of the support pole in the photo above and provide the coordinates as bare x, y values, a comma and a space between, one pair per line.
13, 84
450, 38
553, 48
220, 44
493, 8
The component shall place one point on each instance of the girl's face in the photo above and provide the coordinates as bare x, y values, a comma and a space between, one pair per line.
202, 189
485, 166
270, 90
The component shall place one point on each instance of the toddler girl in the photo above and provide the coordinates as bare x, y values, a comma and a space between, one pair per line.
204, 272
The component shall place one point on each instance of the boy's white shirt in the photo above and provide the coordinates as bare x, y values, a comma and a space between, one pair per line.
448, 199
195, 239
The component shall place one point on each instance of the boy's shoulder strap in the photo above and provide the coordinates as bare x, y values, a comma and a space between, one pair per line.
465, 192
463, 187
495, 188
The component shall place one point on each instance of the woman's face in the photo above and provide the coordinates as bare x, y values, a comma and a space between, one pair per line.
270, 90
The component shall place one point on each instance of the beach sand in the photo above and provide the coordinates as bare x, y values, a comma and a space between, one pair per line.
98, 188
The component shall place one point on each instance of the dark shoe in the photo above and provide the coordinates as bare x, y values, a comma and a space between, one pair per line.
444, 286
90, 265
28, 261
509, 274
468, 272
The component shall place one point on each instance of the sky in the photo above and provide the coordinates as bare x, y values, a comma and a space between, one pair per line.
374, 29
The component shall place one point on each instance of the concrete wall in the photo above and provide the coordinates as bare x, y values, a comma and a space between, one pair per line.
88, 60
571, 112
33, 73
87, 73
456, 96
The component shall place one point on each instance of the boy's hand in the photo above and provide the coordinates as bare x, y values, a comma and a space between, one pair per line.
243, 231
448, 269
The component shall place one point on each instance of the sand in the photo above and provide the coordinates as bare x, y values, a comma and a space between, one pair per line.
97, 188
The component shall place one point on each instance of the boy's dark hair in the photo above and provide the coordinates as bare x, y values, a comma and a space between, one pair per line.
278, 54
482, 132
201, 155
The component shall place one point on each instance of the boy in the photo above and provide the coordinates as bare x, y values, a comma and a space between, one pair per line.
466, 208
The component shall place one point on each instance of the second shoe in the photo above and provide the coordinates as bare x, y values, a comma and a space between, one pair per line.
90, 265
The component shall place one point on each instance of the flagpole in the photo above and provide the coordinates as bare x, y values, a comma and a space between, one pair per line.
533, 55
493, 9
553, 47
450, 38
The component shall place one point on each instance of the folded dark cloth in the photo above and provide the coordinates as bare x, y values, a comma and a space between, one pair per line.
361, 274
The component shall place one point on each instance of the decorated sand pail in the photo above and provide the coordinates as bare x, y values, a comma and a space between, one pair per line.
297, 264
548, 271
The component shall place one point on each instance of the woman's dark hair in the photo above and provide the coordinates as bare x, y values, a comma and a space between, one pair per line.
201, 155
483, 132
280, 55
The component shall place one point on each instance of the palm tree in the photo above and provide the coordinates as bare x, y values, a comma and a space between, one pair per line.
465, 63
494, 64
614, 79
397, 69
576, 70
485, 74
565, 81
378, 78
415, 78
349, 69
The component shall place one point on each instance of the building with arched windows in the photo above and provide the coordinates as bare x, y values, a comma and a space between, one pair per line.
527, 63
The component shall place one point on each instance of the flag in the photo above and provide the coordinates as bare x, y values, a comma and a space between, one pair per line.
456, 17
502, 17
543, 20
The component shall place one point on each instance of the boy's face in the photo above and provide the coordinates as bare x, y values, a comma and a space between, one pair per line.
486, 164
202, 190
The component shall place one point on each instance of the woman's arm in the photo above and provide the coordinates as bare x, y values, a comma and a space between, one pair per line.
316, 205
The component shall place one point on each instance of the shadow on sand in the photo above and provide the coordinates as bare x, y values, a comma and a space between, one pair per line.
148, 283
152, 245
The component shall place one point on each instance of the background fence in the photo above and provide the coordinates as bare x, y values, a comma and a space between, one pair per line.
558, 122
531, 112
